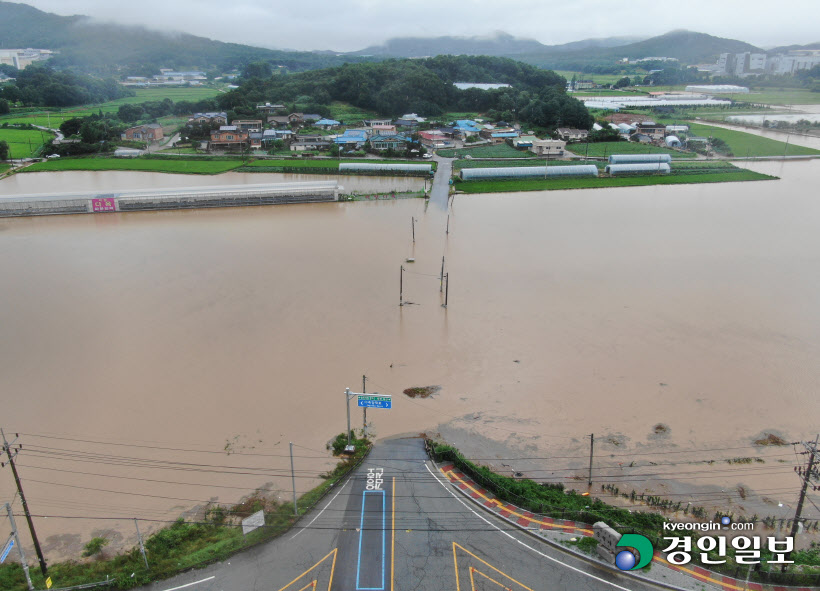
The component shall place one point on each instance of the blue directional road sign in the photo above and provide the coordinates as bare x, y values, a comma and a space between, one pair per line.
375, 401
6, 550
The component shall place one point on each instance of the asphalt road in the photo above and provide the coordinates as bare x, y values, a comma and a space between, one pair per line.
396, 525
440, 193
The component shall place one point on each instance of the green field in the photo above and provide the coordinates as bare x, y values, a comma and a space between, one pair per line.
24, 143
497, 151
746, 144
463, 163
597, 78
180, 166
606, 149
176, 94
54, 117
350, 115
504, 186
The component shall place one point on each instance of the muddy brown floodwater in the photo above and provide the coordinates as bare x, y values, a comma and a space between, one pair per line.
155, 361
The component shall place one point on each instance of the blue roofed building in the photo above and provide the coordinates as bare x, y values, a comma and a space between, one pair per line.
351, 138
466, 127
327, 123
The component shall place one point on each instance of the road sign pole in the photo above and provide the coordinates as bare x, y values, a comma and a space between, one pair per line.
364, 408
19, 547
347, 406
293, 481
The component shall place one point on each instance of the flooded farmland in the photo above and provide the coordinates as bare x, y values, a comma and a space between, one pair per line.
665, 320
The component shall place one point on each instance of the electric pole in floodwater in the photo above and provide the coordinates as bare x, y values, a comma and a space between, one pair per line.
809, 473
413, 224
401, 285
591, 447
7, 449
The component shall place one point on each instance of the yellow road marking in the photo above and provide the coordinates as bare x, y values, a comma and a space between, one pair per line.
455, 565
502, 585
472, 579
312, 585
332, 567
314, 566
485, 563
450, 473
393, 540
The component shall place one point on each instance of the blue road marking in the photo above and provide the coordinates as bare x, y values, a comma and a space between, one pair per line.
361, 536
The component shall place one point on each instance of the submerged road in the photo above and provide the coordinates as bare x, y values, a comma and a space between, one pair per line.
396, 525
440, 193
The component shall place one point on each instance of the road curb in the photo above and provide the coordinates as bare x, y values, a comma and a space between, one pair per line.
586, 558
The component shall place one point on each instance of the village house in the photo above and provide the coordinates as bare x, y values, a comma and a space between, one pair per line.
269, 109
548, 147
389, 142
351, 138
228, 137
247, 124
652, 129
434, 139
327, 124
218, 118
279, 121
569, 134
383, 129
151, 133
498, 135
255, 139
303, 143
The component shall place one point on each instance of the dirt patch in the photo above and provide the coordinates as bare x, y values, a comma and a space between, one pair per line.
422, 391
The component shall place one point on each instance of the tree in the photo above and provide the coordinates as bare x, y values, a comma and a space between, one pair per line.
622, 82
4, 150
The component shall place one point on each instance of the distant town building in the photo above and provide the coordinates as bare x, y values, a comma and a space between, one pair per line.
247, 124
20, 58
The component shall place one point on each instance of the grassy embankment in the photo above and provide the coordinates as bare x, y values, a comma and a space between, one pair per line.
553, 501
272, 165
497, 151
679, 177
186, 545
175, 165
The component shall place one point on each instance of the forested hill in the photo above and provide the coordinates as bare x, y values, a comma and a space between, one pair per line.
108, 48
394, 87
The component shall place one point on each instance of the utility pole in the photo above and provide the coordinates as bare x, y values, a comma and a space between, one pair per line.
591, 447
349, 447
293, 479
401, 291
808, 474
446, 289
364, 408
441, 278
142, 546
7, 449
19, 547
448, 223
413, 223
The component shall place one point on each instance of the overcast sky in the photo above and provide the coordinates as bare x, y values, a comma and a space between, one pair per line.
347, 25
